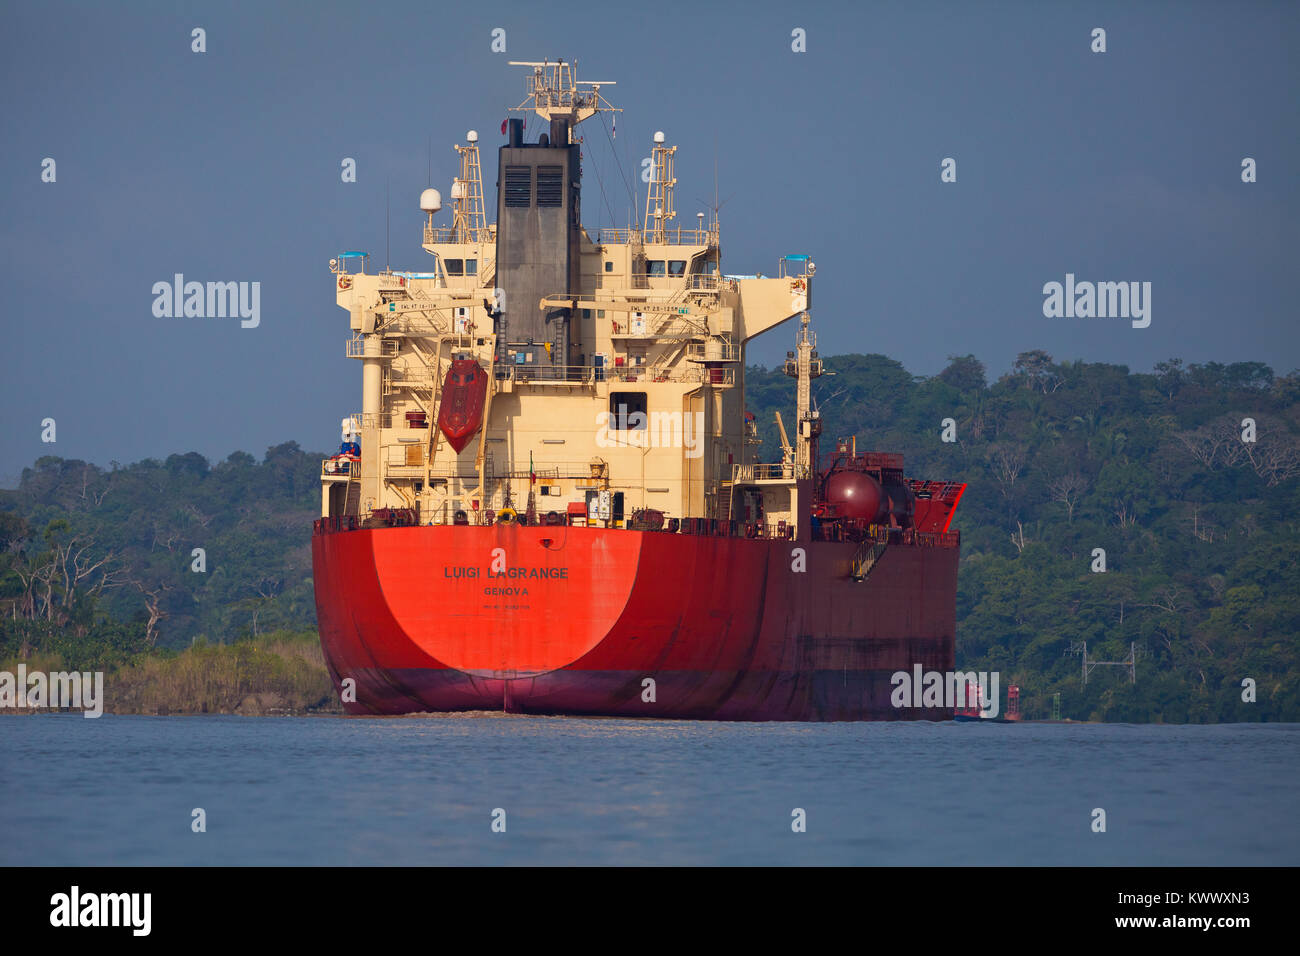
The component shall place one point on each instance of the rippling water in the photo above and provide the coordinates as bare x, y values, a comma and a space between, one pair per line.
120, 790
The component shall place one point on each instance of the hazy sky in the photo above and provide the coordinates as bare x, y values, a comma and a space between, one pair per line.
225, 166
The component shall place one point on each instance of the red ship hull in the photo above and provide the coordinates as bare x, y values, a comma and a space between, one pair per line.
589, 621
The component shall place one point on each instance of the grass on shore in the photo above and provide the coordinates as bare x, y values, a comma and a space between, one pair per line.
277, 673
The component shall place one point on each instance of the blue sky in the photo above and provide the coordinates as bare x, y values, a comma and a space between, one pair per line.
224, 166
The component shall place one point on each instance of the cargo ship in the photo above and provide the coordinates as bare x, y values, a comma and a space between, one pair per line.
550, 501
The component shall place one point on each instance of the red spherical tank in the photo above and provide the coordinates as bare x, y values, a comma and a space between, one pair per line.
854, 494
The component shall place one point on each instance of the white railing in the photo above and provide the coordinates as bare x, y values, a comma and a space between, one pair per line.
356, 348
714, 352
779, 471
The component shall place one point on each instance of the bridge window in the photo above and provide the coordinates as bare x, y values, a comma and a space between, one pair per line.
455, 267
627, 410
677, 267
655, 267
471, 267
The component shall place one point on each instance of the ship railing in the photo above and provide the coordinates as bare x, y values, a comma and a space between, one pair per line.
356, 348
418, 376
416, 470
672, 237
341, 467
713, 351
779, 471
610, 237
926, 539
796, 266
940, 490
648, 373
372, 419
658, 325
573, 471
570, 375
710, 376
882, 533
434, 235
675, 284
707, 283
546, 374
651, 373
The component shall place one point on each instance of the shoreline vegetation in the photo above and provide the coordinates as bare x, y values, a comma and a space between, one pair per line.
281, 674
1149, 517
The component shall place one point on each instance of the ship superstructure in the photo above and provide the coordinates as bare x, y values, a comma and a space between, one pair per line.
614, 361
553, 432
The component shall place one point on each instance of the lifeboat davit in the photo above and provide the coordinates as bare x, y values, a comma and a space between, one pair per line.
464, 392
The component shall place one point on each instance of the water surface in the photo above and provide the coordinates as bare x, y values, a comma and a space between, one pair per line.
422, 790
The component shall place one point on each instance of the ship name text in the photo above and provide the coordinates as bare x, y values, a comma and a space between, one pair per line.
532, 574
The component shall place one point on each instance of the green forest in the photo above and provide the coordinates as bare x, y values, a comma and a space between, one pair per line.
1187, 477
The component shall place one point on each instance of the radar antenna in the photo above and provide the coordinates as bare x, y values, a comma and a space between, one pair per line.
553, 93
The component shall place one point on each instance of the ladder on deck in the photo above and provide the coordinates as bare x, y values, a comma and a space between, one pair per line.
868, 554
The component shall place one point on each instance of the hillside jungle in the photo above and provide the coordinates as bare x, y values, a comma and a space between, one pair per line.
1199, 529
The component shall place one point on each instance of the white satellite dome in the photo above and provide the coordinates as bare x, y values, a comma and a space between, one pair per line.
459, 189
472, 136
659, 136
430, 200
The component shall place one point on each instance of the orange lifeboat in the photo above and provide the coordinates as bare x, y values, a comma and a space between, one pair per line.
464, 393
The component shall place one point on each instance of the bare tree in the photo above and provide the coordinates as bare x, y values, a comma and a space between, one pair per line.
1007, 462
1068, 489
52, 581
1215, 444
1018, 538
1274, 455
1171, 600
1275, 458
153, 606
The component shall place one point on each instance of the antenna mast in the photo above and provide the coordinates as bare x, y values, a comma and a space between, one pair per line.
659, 196
468, 223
